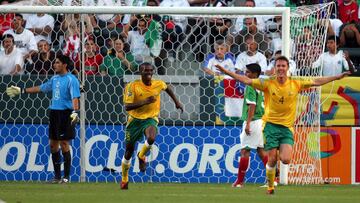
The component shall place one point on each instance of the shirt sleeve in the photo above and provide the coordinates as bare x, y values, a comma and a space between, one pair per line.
129, 93
74, 88
47, 86
259, 83
306, 83
164, 85
250, 95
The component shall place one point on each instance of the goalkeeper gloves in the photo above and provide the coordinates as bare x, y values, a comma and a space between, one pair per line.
13, 91
74, 117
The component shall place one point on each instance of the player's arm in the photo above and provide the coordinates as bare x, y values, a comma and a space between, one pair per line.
237, 77
13, 91
251, 112
135, 105
323, 80
173, 97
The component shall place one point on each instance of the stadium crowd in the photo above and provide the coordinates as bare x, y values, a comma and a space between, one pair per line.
116, 44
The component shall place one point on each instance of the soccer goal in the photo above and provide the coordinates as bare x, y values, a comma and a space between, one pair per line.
200, 145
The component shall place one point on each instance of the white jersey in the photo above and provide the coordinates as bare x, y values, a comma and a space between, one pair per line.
8, 62
211, 60
35, 21
180, 21
24, 41
137, 44
332, 64
244, 59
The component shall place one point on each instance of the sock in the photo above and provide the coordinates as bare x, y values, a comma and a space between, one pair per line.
265, 160
67, 164
145, 148
125, 166
56, 163
270, 175
243, 166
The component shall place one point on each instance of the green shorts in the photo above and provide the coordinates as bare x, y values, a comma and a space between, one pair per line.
275, 135
135, 130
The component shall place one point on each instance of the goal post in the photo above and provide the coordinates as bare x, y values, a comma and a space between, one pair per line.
190, 144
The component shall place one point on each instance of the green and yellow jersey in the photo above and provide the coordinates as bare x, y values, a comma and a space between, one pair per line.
137, 91
281, 99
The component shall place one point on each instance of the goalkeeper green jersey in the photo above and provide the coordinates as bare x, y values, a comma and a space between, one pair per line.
137, 91
255, 97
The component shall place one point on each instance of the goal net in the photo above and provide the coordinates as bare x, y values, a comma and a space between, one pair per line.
200, 145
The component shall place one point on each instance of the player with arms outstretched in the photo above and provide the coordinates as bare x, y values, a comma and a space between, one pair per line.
142, 102
251, 136
280, 93
63, 114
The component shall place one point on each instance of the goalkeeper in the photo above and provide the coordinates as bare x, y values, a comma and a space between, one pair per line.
63, 114
142, 102
280, 93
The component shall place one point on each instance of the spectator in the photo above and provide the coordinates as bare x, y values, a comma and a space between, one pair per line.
251, 55
92, 58
239, 23
270, 70
334, 61
237, 41
119, 61
106, 24
5, 20
350, 35
11, 58
71, 27
348, 11
220, 57
41, 63
136, 38
174, 25
24, 38
41, 25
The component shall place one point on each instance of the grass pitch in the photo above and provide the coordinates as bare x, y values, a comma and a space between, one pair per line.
23, 192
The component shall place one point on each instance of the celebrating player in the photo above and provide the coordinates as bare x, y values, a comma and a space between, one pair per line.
280, 93
63, 115
251, 136
142, 102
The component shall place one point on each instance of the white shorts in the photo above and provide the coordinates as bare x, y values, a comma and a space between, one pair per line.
255, 139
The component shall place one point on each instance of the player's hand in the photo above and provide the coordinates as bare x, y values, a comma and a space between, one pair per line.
220, 68
344, 74
150, 100
13, 91
179, 106
74, 117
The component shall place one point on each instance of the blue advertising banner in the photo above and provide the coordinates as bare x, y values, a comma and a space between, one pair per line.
180, 154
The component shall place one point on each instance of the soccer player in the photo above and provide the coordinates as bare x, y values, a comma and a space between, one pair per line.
63, 114
251, 136
142, 102
280, 94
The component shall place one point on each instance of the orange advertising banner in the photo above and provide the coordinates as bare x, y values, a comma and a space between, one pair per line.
332, 165
341, 102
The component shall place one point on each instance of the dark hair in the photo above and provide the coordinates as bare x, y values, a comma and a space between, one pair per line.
254, 68
278, 52
8, 36
19, 15
112, 51
333, 37
145, 64
282, 58
65, 60
251, 1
